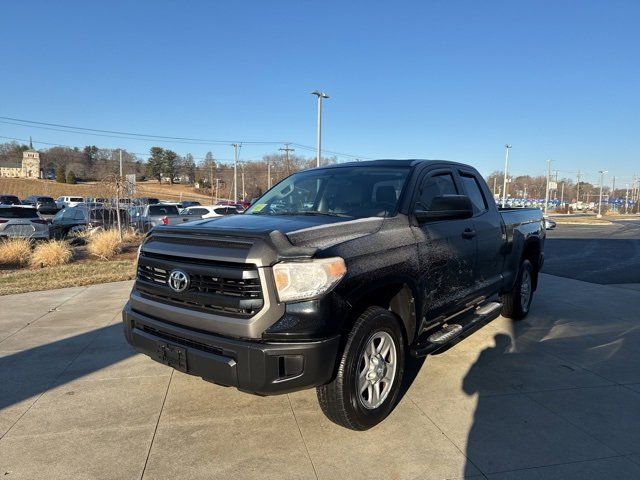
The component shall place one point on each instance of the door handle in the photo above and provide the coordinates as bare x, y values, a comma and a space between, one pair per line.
468, 233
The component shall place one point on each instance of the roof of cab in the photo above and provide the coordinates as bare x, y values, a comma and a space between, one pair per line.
411, 162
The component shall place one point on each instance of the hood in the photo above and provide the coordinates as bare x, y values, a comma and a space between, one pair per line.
317, 231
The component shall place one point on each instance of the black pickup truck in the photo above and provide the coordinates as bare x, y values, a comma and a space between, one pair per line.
332, 278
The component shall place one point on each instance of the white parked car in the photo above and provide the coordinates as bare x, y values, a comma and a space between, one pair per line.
22, 222
209, 211
64, 202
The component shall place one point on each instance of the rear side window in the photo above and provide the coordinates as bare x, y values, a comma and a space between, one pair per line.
473, 191
163, 210
9, 200
435, 186
197, 211
220, 211
76, 199
45, 199
18, 212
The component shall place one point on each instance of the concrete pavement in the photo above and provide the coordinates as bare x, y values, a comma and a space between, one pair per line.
554, 397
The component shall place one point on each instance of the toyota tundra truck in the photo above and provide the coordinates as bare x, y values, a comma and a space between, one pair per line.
332, 278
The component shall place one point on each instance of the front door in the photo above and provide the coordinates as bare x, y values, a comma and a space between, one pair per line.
447, 250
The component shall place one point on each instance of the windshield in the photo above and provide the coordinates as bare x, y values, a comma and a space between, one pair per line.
356, 192
155, 210
18, 212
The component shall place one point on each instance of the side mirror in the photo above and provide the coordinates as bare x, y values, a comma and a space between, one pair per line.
446, 207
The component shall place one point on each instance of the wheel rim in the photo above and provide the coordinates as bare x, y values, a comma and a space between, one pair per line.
525, 290
376, 370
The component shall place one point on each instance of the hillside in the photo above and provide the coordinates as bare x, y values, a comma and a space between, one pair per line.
23, 187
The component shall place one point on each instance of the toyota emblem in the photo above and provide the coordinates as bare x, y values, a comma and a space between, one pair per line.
178, 281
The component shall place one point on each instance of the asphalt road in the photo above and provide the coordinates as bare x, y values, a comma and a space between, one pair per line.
604, 254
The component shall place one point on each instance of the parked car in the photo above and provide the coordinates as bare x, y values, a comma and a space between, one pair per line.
83, 217
64, 202
208, 211
549, 224
46, 205
22, 221
332, 279
146, 217
9, 200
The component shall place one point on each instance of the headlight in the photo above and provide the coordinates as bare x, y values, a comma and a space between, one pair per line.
302, 280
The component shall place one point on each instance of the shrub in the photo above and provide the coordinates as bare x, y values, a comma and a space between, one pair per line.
51, 253
15, 251
60, 177
105, 244
71, 177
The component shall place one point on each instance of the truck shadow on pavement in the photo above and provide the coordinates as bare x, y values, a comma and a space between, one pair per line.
26, 374
551, 391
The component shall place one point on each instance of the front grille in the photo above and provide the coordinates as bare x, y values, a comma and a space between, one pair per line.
222, 287
182, 341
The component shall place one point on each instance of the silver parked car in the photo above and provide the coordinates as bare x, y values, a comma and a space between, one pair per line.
23, 222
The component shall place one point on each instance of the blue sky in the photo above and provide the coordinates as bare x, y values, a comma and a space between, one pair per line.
424, 79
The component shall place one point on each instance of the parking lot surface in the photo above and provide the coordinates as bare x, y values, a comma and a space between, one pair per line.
554, 397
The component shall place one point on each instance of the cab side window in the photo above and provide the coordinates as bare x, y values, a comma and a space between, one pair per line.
473, 191
435, 186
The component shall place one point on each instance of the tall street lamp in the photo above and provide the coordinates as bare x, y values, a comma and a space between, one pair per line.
320, 96
601, 172
506, 175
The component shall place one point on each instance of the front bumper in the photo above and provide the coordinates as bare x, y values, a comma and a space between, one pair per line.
263, 368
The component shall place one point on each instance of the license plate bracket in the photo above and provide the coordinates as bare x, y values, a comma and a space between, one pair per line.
172, 355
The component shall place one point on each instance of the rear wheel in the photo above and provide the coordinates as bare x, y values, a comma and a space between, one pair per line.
367, 385
516, 303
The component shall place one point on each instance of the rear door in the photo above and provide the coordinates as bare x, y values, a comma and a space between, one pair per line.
487, 225
446, 251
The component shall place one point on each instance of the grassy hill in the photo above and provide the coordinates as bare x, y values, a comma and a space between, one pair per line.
23, 187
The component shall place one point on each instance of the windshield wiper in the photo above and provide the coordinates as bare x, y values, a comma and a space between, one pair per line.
315, 213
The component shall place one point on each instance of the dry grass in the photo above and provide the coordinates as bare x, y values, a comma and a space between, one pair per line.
105, 244
23, 187
130, 235
15, 251
71, 275
51, 254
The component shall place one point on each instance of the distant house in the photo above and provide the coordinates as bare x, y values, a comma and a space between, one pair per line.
28, 168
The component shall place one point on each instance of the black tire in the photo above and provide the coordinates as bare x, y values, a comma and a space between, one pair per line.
514, 305
340, 400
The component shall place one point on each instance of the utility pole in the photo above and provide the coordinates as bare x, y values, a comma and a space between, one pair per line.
562, 195
613, 192
320, 96
217, 185
525, 192
626, 201
118, 186
601, 172
242, 168
578, 187
235, 172
286, 151
546, 195
495, 179
507, 147
268, 176
211, 181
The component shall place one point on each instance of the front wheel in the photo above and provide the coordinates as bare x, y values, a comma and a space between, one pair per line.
367, 385
516, 303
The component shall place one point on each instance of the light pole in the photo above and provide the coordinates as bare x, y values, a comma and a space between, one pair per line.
507, 147
546, 195
320, 96
601, 172
235, 172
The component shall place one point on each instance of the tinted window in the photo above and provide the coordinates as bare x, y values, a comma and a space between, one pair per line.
45, 199
472, 189
220, 211
76, 199
17, 212
9, 200
197, 211
156, 210
435, 186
